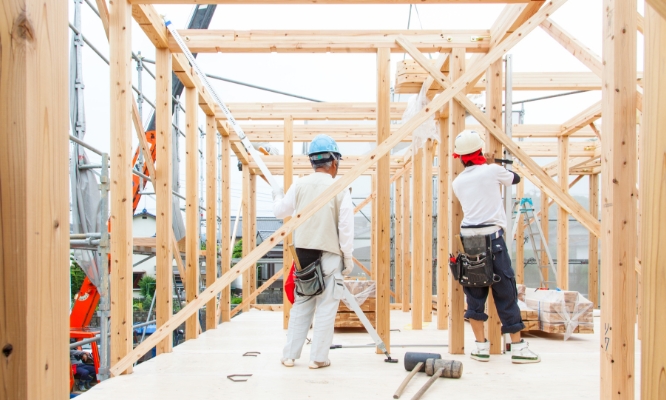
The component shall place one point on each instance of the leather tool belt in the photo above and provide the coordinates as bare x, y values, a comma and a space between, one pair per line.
474, 267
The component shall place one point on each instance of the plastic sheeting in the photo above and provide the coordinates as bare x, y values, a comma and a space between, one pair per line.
556, 308
362, 290
428, 129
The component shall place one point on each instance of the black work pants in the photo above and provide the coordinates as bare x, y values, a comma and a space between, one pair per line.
505, 293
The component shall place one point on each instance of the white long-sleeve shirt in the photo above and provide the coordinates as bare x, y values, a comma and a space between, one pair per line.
331, 228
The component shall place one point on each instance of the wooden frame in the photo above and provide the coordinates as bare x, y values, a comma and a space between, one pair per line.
619, 98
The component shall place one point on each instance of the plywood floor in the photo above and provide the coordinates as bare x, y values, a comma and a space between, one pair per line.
198, 369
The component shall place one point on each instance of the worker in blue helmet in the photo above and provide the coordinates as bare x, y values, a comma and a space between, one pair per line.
325, 243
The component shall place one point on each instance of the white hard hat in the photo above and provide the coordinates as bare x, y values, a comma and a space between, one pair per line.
467, 142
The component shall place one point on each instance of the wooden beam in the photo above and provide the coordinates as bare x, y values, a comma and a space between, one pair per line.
323, 41
224, 307
511, 18
192, 226
410, 82
152, 25
582, 119
653, 354
253, 229
618, 291
417, 239
309, 111
428, 159
494, 85
545, 207
163, 184
360, 265
456, 296
211, 217
120, 34
659, 6
398, 250
247, 231
338, 186
288, 135
34, 209
593, 250
103, 10
579, 50
406, 242
249, 299
563, 217
443, 227
373, 230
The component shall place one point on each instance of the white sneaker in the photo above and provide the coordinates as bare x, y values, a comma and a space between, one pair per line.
521, 354
319, 364
287, 362
482, 352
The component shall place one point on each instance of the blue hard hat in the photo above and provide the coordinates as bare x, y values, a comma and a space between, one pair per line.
323, 144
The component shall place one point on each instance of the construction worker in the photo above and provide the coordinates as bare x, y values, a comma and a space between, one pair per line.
477, 188
328, 234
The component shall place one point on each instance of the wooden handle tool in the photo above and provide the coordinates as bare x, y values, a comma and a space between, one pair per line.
427, 385
292, 249
409, 377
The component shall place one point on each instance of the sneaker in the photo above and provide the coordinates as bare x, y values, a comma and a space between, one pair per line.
319, 364
482, 352
521, 354
287, 362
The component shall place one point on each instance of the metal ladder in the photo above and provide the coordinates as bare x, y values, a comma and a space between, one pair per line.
524, 211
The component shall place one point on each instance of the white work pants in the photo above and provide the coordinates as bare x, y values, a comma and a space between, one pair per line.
322, 307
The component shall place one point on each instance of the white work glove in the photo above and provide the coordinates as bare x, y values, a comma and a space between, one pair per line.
278, 192
347, 266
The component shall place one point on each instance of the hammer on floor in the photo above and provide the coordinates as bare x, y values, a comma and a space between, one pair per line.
414, 362
439, 369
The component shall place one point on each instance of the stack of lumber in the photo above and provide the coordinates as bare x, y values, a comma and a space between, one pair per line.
530, 317
365, 294
560, 311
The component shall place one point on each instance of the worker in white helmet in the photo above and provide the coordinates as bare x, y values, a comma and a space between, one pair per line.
484, 222
326, 237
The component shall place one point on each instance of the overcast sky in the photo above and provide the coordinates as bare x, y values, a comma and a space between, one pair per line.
339, 77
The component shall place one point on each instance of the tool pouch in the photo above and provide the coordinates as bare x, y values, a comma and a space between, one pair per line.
310, 280
474, 267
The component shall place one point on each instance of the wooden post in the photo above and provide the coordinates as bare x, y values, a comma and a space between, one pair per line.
443, 231
373, 230
653, 203
563, 216
253, 230
520, 237
120, 157
163, 196
494, 101
225, 236
456, 125
247, 231
211, 216
398, 241
593, 259
34, 207
383, 201
545, 206
406, 242
618, 226
428, 157
417, 237
288, 180
192, 243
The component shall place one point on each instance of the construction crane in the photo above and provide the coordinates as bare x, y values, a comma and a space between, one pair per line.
87, 298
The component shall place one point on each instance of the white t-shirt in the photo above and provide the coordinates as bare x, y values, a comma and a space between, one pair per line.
477, 188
